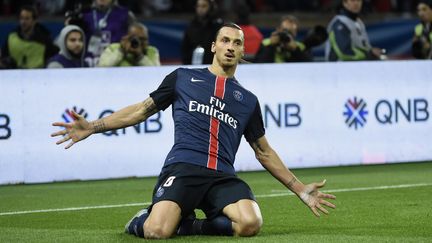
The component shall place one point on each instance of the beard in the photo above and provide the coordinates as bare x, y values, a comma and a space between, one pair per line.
26, 28
225, 64
75, 55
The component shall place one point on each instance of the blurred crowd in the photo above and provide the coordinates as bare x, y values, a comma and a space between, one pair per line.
149, 7
108, 33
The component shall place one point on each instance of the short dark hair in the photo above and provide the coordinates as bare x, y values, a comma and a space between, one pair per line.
31, 9
290, 18
230, 25
138, 25
213, 8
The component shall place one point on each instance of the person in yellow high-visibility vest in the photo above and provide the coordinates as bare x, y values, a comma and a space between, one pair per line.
30, 44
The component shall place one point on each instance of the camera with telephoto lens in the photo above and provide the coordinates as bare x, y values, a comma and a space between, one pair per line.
285, 36
135, 42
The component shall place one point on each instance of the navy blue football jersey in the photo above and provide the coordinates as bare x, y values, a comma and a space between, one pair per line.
211, 113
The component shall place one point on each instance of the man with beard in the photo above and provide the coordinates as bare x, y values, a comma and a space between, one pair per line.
71, 42
29, 45
348, 40
212, 111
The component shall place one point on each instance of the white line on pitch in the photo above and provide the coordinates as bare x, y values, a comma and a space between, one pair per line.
75, 208
258, 196
285, 193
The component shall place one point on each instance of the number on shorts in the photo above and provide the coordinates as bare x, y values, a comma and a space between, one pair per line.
169, 181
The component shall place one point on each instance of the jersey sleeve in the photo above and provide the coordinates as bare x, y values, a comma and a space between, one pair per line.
165, 93
255, 127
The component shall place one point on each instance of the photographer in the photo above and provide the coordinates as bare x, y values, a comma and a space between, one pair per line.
133, 50
282, 46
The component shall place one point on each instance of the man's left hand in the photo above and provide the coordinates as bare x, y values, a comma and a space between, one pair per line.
314, 199
291, 45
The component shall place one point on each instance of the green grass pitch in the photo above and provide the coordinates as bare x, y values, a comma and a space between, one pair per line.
379, 203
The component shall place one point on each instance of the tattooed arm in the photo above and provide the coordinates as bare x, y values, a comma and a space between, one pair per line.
309, 194
80, 129
271, 162
125, 117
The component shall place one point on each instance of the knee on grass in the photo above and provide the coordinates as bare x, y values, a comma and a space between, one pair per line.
156, 231
248, 226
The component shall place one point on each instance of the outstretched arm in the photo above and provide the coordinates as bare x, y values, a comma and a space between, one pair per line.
80, 129
309, 194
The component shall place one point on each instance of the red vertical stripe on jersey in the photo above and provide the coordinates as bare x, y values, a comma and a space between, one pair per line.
220, 87
219, 92
214, 144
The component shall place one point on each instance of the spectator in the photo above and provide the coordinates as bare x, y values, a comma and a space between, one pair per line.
422, 41
200, 33
133, 50
105, 23
252, 36
348, 39
281, 46
29, 45
71, 42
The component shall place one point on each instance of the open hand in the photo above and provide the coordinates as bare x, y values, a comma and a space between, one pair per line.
314, 199
75, 131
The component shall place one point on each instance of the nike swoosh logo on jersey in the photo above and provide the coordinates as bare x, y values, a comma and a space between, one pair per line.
197, 80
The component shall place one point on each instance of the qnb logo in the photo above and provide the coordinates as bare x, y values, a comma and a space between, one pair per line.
68, 117
5, 129
355, 113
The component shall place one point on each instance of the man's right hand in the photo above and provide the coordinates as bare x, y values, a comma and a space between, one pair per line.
125, 44
78, 130
274, 38
376, 52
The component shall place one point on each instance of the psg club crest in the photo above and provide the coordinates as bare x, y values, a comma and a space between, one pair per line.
238, 95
